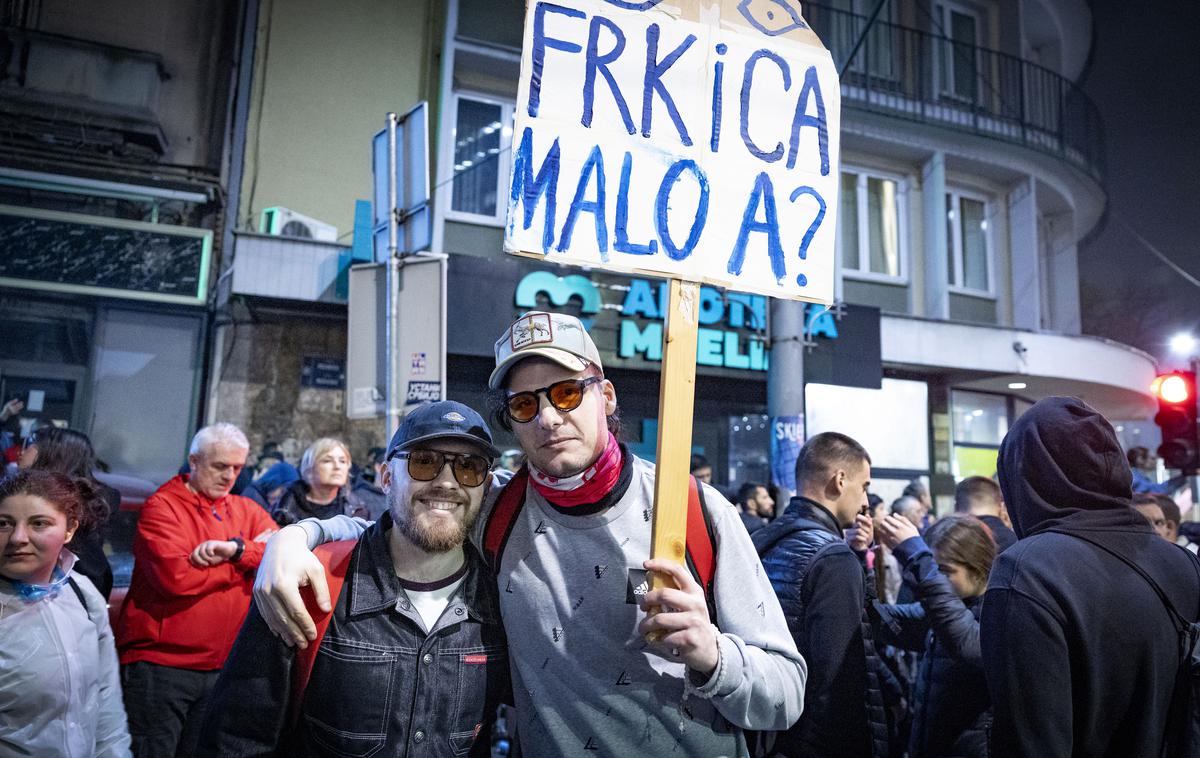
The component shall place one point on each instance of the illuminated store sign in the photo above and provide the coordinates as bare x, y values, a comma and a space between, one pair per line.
733, 325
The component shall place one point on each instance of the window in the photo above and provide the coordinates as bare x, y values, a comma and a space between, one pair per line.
968, 243
481, 141
480, 72
957, 54
870, 233
979, 421
878, 56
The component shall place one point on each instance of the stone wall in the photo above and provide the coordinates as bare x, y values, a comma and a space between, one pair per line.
260, 390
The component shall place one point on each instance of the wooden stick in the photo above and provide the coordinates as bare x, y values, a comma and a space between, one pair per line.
676, 401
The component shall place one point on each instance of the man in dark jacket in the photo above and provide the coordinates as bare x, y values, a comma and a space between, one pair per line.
980, 497
1079, 653
755, 506
414, 660
822, 585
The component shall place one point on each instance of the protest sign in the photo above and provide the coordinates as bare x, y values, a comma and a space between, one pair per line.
695, 140
691, 139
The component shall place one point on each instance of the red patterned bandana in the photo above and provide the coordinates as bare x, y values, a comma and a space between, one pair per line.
586, 487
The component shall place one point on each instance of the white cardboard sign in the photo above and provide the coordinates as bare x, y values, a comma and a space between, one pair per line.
697, 140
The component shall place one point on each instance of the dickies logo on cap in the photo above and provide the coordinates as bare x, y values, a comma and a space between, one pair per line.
441, 420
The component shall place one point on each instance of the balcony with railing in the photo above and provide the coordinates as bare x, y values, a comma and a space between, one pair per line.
79, 95
913, 74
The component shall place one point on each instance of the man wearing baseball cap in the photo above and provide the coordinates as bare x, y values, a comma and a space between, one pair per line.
592, 670
413, 658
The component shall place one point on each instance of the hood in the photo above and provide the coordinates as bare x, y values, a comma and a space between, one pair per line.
279, 475
1061, 467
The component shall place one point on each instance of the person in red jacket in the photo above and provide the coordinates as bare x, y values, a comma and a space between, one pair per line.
195, 553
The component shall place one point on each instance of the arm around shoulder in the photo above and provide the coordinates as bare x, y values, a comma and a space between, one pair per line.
333, 529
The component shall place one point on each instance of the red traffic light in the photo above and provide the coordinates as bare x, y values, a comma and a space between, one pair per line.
1177, 419
1174, 388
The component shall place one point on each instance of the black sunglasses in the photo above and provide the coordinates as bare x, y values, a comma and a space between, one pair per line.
469, 470
566, 395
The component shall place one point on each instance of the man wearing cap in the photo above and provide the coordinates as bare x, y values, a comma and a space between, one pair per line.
592, 670
413, 660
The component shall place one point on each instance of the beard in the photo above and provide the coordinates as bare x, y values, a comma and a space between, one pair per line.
440, 536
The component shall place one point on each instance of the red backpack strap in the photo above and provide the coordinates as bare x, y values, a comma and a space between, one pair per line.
503, 515
335, 557
700, 553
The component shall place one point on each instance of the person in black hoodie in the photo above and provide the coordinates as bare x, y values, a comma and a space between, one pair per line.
824, 590
1079, 652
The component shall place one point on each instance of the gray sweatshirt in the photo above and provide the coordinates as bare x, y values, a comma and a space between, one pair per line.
584, 679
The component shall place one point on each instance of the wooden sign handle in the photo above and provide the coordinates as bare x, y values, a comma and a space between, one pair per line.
676, 401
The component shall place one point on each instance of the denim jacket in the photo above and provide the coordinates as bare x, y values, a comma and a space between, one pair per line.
380, 685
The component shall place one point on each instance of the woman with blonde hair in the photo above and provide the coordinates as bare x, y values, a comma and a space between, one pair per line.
948, 569
323, 488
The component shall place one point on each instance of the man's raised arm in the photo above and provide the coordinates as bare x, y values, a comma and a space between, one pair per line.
289, 564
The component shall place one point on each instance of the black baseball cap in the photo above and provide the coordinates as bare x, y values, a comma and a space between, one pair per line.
442, 420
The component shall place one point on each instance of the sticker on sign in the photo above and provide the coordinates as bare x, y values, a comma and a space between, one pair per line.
696, 140
423, 392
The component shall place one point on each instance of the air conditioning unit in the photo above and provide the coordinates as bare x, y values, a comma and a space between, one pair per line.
287, 223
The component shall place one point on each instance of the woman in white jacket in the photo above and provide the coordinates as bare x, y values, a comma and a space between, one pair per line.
60, 694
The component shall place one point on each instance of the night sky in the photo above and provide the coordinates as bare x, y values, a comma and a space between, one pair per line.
1144, 76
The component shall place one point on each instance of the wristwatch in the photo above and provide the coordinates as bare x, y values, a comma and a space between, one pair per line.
241, 548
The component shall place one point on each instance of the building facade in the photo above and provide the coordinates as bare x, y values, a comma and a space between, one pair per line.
971, 168
113, 164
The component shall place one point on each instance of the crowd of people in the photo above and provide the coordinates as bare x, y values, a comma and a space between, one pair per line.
449, 598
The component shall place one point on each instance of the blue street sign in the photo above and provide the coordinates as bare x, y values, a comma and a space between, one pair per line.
411, 207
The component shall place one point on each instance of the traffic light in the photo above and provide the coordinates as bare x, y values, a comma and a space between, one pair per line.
1176, 393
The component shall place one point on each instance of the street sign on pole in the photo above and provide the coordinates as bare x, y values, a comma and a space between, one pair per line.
701, 145
403, 227
410, 171
421, 308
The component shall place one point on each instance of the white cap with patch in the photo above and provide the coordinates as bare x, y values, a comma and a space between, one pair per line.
556, 336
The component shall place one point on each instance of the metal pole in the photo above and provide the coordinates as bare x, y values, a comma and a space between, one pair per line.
1193, 480
785, 374
392, 328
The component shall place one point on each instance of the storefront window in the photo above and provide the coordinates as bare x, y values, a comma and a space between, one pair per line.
749, 449
980, 422
980, 418
144, 396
